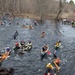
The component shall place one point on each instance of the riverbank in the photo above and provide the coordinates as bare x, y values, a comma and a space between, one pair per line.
70, 15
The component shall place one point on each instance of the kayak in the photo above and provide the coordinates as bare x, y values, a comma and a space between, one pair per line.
4, 56
28, 48
30, 27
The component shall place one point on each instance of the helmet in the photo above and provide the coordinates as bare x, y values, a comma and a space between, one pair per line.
22, 42
48, 65
58, 41
29, 41
16, 44
46, 46
7, 48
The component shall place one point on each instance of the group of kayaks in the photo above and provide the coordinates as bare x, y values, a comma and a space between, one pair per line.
19, 48
22, 47
54, 67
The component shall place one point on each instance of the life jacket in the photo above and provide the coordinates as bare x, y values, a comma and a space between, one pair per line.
45, 73
29, 44
49, 66
57, 44
57, 61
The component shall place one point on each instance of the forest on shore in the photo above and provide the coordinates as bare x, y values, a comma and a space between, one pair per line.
39, 9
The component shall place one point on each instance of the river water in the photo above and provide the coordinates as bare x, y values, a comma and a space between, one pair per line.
30, 63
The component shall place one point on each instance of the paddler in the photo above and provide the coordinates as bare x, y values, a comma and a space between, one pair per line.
16, 34
17, 47
57, 45
8, 50
29, 45
44, 51
43, 34
49, 70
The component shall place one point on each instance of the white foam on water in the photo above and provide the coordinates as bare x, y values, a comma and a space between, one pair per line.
2, 50
7, 25
64, 61
17, 57
39, 70
61, 46
2, 29
49, 58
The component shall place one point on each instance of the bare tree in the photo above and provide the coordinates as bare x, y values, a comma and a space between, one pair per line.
41, 8
60, 9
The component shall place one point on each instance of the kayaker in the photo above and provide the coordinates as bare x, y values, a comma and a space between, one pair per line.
8, 50
16, 34
17, 47
30, 27
49, 70
22, 43
29, 45
44, 51
57, 45
35, 23
46, 47
43, 34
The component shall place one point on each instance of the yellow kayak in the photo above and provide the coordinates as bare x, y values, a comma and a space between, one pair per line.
30, 26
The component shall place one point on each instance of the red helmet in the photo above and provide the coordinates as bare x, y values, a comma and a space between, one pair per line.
16, 44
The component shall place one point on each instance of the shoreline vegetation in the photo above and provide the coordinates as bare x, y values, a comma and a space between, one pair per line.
39, 9
69, 15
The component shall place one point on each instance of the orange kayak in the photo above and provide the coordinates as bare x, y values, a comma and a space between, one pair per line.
4, 56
